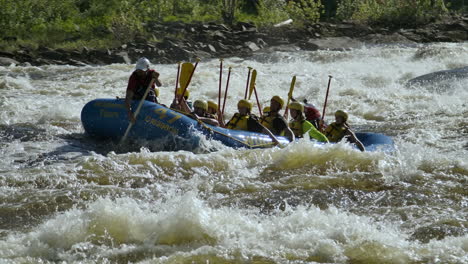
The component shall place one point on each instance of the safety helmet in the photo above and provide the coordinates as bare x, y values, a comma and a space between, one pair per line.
278, 99
142, 64
342, 114
187, 92
266, 109
212, 104
296, 106
244, 103
201, 104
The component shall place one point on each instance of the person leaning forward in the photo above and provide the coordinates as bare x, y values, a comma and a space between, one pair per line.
139, 82
200, 112
275, 122
300, 126
245, 120
339, 129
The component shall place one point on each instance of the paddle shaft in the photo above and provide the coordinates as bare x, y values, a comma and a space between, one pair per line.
291, 89
188, 82
177, 80
225, 92
326, 97
258, 102
137, 111
220, 81
247, 84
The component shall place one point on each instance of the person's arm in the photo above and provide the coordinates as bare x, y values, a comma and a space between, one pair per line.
353, 139
289, 134
209, 121
155, 76
128, 99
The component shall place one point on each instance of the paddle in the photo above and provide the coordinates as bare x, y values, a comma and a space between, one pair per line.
220, 81
253, 88
188, 80
137, 111
252, 83
247, 84
326, 100
290, 94
227, 87
177, 79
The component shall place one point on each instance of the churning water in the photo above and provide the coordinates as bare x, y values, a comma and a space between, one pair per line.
68, 198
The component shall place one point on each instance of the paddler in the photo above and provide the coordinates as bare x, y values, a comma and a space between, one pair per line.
139, 82
300, 126
200, 112
339, 129
312, 114
275, 122
188, 103
213, 109
245, 120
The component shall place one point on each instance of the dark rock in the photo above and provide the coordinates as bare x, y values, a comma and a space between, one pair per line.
54, 55
7, 61
308, 45
386, 39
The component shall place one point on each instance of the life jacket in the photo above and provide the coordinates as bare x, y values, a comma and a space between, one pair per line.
142, 85
312, 114
239, 122
296, 127
334, 132
267, 121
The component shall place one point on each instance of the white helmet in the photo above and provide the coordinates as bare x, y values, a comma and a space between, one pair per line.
142, 64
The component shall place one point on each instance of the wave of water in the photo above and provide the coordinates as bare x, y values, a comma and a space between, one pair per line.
67, 197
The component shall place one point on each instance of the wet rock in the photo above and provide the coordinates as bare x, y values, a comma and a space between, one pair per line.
211, 48
336, 43
252, 46
386, 39
7, 61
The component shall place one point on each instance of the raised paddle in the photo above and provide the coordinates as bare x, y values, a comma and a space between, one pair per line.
188, 81
253, 78
248, 82
220, 81
290, 94
137, 111
326, 98
177, 79
225, 92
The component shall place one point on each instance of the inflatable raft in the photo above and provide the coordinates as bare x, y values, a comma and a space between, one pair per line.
107, 119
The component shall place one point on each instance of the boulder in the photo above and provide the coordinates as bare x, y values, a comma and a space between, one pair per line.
336, 43
252, 46
7, 61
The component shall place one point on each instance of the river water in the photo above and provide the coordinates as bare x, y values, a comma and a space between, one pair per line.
68, 198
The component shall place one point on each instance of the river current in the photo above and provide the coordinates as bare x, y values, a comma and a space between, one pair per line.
68, 198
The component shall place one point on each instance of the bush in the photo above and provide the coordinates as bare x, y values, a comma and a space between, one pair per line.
391, 12
304, 11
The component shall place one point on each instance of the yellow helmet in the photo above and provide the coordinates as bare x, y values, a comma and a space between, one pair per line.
201, 104
296, 106
342, 114
244, 103
212, 104
187, 92
278, 99
266, 109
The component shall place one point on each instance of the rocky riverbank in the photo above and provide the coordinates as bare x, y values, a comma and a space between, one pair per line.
185, 42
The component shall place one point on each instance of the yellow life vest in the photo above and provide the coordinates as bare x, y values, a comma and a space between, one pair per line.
267, 121
334, 132
238, 122
296, 127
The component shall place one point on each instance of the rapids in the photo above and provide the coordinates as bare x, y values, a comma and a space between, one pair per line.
68, 198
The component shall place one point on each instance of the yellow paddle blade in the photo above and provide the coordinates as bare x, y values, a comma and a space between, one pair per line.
185, 72
291, 89
252, 82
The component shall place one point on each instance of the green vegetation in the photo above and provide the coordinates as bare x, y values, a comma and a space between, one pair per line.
97, 23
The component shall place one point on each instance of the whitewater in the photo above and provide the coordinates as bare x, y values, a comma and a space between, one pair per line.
69, 198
